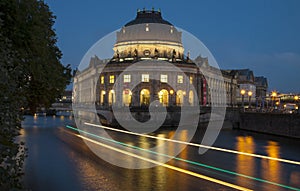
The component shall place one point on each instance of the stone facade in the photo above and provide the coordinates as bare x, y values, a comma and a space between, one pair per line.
148, 65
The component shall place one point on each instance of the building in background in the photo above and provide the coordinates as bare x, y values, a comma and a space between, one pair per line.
156, 45
246, 91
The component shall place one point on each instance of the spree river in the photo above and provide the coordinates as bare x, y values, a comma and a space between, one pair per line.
59, 160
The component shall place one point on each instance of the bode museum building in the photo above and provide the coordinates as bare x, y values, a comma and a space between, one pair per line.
149, 65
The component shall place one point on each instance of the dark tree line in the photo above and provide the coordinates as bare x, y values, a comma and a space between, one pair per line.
31, 76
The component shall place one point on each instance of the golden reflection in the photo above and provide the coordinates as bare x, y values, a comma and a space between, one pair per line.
35, 117
171, 148
62, 117
245, 164
144, 177
271, 169
160, 172
22, 132
183, 154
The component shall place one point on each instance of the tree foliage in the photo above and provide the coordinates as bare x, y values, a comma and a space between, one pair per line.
31, 75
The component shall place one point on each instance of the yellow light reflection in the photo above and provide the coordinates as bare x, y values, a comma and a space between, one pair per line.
245, 164
35, 117
167, 165
271, 169
160, 172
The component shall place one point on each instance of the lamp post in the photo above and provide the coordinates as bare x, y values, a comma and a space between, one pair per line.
249, 94
243, 94
296, 98
273, 95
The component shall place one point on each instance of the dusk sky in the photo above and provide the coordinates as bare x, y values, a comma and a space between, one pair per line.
262, 35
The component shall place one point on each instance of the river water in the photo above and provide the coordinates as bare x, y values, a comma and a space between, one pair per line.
59, 161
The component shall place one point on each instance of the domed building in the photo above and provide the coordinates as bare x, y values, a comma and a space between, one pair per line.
149, 64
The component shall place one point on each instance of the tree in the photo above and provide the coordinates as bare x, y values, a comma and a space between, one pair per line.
46, 78
11, 154
31, 75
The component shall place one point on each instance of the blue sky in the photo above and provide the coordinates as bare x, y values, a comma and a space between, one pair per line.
262, 35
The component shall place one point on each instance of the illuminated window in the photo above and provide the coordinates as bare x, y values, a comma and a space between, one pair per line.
102, 97
163, 96
145, 77
171, 30
127, 97
191, 79
147, 27
102, 80
127, 78
111, 97
112, 79
164, 78
179, 79
145, 97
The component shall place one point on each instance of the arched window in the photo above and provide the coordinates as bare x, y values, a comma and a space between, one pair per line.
126, 97
191, 98
102, 97
163, 97
111, 97
180, 97
145, 97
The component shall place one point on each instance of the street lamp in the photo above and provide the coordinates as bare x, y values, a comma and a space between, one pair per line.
296, 98
249, 94
273, 95
243, 94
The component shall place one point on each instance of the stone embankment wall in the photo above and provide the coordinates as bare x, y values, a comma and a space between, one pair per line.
271, 123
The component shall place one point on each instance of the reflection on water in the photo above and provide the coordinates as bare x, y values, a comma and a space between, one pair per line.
97, 174
245, 164
272, 168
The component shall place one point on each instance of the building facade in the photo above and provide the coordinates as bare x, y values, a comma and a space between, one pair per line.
149, 65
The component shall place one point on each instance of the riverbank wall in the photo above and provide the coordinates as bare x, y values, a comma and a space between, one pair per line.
271, 123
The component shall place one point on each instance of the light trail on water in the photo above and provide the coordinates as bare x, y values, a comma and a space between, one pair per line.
197, 145
167, 166
180, 159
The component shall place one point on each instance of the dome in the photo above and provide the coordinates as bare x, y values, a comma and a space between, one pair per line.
149, 32
150, 35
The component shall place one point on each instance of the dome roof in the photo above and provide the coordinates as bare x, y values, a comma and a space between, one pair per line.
149, 32
148, 35
147, 16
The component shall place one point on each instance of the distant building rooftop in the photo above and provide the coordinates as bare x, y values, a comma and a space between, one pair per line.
261, 81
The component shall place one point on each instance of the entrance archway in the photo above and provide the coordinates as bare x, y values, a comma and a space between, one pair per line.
191, 98
126, 97
111, 97
164, 97
102, 97
145, 97
180, 97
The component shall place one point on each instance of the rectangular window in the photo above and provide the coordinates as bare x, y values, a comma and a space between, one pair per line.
191, 79
112, 79
164, 78
179, 79
145, 77
102, 79
127, 78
